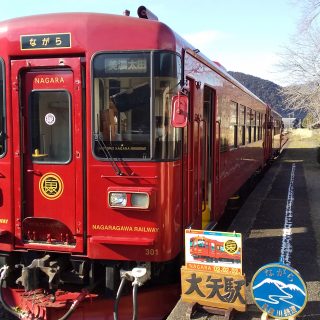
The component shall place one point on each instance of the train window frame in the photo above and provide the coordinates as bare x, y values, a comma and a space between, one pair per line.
254, 126
70, 133
258, 125
3, 128
261, 126
248, 125
242, 126
153, 75
167, 139
233, 126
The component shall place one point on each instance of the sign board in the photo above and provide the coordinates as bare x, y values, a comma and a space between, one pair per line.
45, 41
279, 291
219, 252
126, 65
213, 290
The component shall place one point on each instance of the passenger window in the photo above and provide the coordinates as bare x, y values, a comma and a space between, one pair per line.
253, 127
248, 125
233, 128
242, 125
259, 118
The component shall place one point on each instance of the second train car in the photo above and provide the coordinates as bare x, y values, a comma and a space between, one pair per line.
115, 135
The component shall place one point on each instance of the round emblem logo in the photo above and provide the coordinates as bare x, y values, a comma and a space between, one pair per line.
231, 246
50, 119
279, 291
51, 186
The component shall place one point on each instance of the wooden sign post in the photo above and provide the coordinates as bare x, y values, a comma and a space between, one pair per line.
220, 292
212, 278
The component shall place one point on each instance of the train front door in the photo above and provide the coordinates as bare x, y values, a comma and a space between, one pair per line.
47, 107
208, 160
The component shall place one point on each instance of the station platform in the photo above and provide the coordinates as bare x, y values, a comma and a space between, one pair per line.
287, 199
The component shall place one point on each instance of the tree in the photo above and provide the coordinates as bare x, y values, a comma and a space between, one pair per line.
301, 62
311, 11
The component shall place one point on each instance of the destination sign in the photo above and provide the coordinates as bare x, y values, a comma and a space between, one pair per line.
45, 41
126, 65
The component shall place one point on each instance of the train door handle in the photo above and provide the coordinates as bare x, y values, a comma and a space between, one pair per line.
35, 172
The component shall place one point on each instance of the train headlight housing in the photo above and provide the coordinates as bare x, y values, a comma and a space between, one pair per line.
131, 199
140, 200
118, 199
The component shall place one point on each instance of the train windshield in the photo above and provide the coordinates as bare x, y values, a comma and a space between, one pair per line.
132, 96
201, 243
2, 111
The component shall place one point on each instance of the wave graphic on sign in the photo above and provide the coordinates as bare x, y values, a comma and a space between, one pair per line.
276, 292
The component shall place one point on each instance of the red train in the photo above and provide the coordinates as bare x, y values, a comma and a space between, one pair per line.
115, 136
211, 250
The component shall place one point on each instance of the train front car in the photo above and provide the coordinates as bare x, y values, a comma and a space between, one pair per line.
91, 166
115, 136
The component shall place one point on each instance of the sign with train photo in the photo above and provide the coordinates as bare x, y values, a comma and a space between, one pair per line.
215, 251
212, 275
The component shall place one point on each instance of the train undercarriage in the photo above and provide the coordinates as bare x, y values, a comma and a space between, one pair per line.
35, 285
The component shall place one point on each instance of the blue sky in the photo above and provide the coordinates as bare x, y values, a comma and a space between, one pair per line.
243, 35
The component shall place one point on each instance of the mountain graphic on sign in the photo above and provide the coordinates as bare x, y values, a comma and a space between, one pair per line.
276, 292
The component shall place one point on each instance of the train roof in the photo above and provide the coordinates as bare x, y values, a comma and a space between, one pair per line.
89, 29
89, 32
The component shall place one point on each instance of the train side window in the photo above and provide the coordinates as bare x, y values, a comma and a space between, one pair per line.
264, 121
242, 125
233, 128
254, 126
248, 125
259, 136
261, 126
224, 117
2, 110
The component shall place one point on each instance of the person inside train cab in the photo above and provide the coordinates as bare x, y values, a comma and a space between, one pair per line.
162, 128
109, 121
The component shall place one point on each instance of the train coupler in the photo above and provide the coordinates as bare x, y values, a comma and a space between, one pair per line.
138, 276
40, 271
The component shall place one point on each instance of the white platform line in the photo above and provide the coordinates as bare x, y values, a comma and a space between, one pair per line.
286, 245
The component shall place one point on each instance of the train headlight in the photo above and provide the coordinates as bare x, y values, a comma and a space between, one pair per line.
117, 199
140, 200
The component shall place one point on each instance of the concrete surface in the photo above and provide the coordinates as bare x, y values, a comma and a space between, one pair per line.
261, 220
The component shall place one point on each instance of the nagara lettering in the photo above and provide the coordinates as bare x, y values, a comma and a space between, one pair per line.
49, 80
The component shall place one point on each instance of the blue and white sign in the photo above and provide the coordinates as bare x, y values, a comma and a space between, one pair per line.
279, 291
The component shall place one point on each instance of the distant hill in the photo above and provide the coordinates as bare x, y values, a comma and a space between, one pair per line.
267, 91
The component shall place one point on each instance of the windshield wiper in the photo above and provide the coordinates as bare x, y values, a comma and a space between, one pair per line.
3, 135
107, 154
